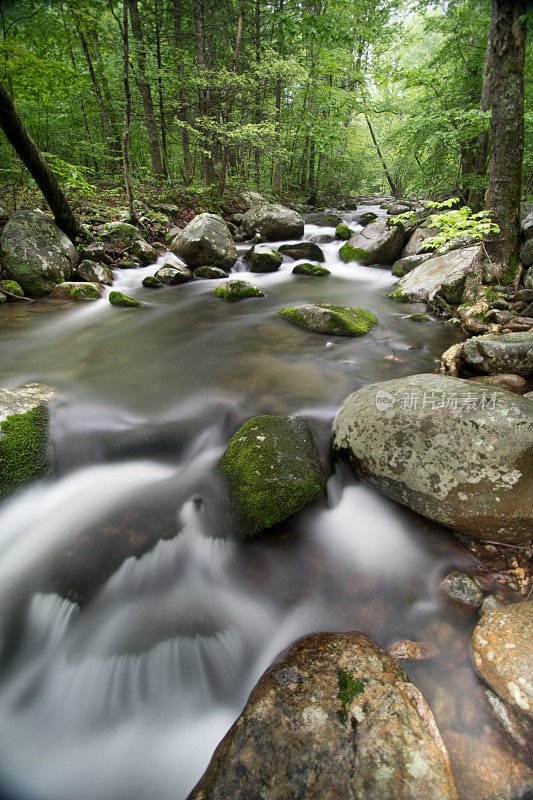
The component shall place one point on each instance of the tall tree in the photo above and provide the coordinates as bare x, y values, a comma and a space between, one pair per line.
29, 153
507, 41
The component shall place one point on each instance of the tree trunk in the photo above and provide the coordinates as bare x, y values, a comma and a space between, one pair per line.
277, 166
482, 150
45, 179
187, 170
127, 110
387, 173
507, 37
146, 92
162, 121
208, 174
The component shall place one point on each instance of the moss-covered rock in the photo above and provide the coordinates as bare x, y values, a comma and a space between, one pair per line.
326, 219
331, 319
13, 287
310, 269
272, 469
95, 273
73, 290
366, 218
120, 299
151, 282
35, 253
210, 273
419, 318
237, 290
350, 253
399, 296
120, 233
24, 445
143, 251
408, 264
264, 259
453, 277
173, 274
129, 263
343, 232
378, 243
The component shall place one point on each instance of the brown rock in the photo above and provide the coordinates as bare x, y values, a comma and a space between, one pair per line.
461, 592
518, 324
412, 651
513, 383
333, 718
517, 725
501, 649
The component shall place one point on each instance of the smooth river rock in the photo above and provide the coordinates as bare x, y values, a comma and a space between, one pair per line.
331, 319
78, 290
497, 353
24, 445
274, 222
35, 252
378, 243
272, 469
501, 650
333, 718
452, 450
206, 241
453, 277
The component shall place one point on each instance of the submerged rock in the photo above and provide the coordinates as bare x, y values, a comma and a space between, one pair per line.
333, 718
452, 277
497, 353
272, 468
35, 252
302, 250
273, 222
206, 241
378, 243
412, 651
310, 269
501, 650
237, 290
24, 444
461, 592
264, 259
452, 450
120, 299
328, 318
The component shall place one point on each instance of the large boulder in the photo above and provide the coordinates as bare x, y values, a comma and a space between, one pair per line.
331, 319
335, 717
501, 651
77, 290
273, 222
325, 219
452, 277
378, 243
495, 353
35, 252
173, 274
24, 444
272, 469
251, 199
455, 451
416, 243
120, 234
408, 264
308, 250
206, 241
96, 273
237, 289
264, 259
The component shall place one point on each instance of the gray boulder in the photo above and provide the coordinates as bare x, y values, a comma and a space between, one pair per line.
325, 219
378, 243
334, 717
251, 199
120, 234
272, 469
273, 222
24, 444
452, 450
93, 272
408, 264
264, 259
526, 253
415, 245
173, 274
330, 319
454, 277
206, 241
497, 353
144, 252
308, 250
35, 252
210, 273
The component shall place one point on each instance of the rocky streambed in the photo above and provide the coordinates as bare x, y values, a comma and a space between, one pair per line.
191, 516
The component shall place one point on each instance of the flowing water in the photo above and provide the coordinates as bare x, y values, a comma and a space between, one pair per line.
121, 674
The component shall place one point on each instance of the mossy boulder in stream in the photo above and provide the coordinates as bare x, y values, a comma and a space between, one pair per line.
236, 289
454, 451
74, 290
302, 250
120, 299
331, 319
24, 445
272, 469
378, 243
264, 259
333, 717
12, 287
35, 253
205, 241
310, 269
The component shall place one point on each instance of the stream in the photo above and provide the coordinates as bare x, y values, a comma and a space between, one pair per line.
127, 693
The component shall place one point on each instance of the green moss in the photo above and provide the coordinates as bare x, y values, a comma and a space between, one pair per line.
273, 469
350, 321
119, 299
399, 296
292, 315
23, 448
13, 287
348, 688
151, 282
310, 269
507, 278
490, 294
84, 292
419, 318
350, 253
237, 290
343, 232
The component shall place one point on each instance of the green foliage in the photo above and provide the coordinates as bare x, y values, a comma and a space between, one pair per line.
453, 223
